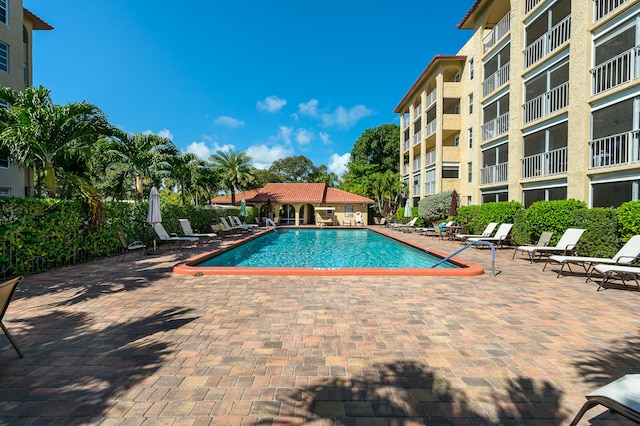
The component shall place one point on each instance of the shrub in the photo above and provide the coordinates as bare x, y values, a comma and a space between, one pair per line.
601, 237
435, 207
554, 216
521, 233
628, 215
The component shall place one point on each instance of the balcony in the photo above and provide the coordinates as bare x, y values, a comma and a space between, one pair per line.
417, 112
417, 138
547, 103
406, 145
615, 71
430, 187
416, 190
431, 128
430, 158
602, 8
431, 98
549, 163
405, 168
416, 163
495, 80
501, 29
495, 127
548, 42
493, 174
530, 5
616, 150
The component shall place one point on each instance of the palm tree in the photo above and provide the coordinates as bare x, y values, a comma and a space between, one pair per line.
234, 168
40, 134
185, 172
136, 159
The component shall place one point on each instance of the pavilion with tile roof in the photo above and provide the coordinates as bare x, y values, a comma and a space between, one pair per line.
305, 204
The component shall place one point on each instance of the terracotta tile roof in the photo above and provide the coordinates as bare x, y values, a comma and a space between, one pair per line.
295, 193
461, 24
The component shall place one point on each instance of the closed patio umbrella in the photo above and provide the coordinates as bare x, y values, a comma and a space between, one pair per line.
153, 215
453, 210
243, 208
407, 209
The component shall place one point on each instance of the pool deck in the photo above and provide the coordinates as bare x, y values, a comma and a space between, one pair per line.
134, 343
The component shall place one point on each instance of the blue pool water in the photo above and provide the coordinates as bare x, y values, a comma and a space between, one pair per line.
325, 248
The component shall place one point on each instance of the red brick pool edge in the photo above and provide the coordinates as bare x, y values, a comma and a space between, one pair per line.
189, 267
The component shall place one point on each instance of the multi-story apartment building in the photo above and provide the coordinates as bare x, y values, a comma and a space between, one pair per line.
16, 28
541, 103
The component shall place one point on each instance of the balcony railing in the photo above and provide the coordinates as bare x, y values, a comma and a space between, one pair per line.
416, 163
530, 4
493, 174
431, 157
547, 103
416, 190
602, 8
431, 98
406, 145
616, 150
405, 168
417, 112
430, 187
548, 42
615, 71
495, 80
406, 122
500, 30
431, 128
545, 164
495, 127
417, 138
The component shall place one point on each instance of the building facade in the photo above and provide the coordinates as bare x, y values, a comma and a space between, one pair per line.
541, 103
16, 28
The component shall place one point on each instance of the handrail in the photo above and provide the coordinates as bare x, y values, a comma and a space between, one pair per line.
473, 243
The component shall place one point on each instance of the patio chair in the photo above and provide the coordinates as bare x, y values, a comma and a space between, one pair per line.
376, 220
127, 247
409, 224
488, 230
231, 228
610, 272
235, 220
188, 231
625, 256
621, 397
7, 289
438, 231
543, 241
321, 221
170, 239
501, 236
566, 244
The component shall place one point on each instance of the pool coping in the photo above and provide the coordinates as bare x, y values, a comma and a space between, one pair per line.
467, 268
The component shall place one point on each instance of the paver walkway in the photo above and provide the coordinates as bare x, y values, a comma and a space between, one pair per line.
132, 343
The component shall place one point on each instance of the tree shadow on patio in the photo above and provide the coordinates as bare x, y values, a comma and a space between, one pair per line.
409, 393
51, 382
600, 367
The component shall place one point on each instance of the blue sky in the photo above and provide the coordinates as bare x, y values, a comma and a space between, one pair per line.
272, 78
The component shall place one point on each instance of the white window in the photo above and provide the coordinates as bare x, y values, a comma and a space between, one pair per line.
471, 69
348, 210
470, 132
5, 192
3, 12
471, 104
451, 172
469, 172
4, 57
456, 140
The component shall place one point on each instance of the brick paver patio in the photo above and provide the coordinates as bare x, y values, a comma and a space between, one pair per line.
133, 343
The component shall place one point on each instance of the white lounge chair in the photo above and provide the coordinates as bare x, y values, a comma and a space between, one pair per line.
127, 247
235, 220
621, 397
543, 241
488, 230
188, 231
566, 244
405, 225
625, 256
231, 228
609, 272
169, 239
501, 236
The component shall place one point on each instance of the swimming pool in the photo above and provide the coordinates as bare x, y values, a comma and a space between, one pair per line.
322, 251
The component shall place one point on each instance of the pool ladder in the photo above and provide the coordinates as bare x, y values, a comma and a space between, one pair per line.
473, 243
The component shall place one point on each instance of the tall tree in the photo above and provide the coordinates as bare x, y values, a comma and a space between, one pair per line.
293, 169
185, 172
235, 170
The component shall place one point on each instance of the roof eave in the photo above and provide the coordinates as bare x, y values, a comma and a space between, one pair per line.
38, 23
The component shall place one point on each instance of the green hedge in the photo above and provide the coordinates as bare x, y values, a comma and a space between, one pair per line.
477, 217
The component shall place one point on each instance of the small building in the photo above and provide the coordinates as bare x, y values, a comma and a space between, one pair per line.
298, 204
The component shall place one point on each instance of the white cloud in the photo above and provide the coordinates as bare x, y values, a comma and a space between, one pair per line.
225, 120
263, 155
304, 136
309, 108
271, 104
325, 138
164, 133
341, 117
284, 134
338, 163
202, 150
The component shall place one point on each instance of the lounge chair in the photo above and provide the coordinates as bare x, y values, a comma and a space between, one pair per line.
409, 224
231, 228
170, 239
566, 244
7, 289
488, 230
320, 221
609, 272
625, 256
376, 220
543, 241
127, 247
501, 236
188, 231
236, 221
621, 397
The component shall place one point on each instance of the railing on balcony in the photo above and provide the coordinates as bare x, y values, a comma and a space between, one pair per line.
602, 8
406, 145
530, 4
548, 42
430, 187
500, 30
495, 127
493, 174
406, 122
495, 80
405, 168
431, 98
615, 71
547, 103
431, 157
416, 163
417, 112
417, 138
431, 128
545, 164
416, 190
615, 150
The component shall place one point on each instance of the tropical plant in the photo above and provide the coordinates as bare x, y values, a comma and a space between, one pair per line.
184, 173
435, 207
234, 169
